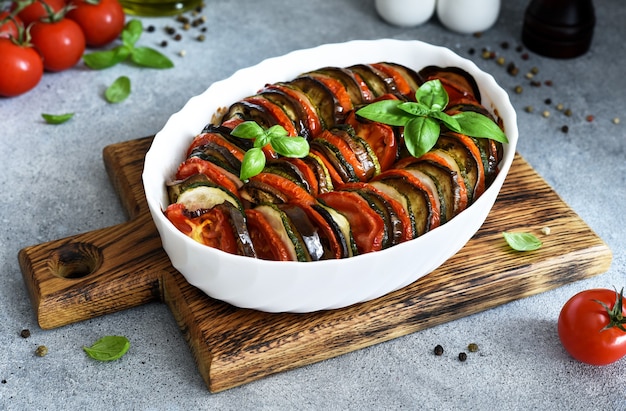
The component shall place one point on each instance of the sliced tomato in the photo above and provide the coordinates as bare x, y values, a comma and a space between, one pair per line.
267, 243
205, 138
348, 154
211, 228
292, 191
337, 88
308, 174
312, 119
402, 84
368, 228
442, 158
368, 95
335, 177
215, 173
380, 137
276, 112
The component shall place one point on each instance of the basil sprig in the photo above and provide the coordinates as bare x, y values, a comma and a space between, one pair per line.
276, 136
108, 348
141, 56
57, 118
423, 118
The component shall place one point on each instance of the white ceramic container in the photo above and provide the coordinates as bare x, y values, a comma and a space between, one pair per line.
274, 286
405, 13
468, 16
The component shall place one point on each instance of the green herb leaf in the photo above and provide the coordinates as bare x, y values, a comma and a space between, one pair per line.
477, 125
252, 164
420, 135
104, 59
417, 109
295, 147
277, 131
131, 33
447, 120
57, 118
387, 112
147, 57
432, 95
522, 241
118, 91
108, 348
248, 129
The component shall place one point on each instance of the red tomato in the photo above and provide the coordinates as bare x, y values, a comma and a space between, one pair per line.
21, 68
36, 11
380, 137
591, 326
102, 21
8, 27
60, 43
212, 228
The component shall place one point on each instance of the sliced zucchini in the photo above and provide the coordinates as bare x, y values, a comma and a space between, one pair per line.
325, 102
282, 226
343, 226
198, 192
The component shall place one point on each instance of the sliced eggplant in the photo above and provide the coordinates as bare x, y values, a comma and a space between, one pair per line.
218, 155
287, 169
199, 193
328, 108
455, 76
306, 232
358, 94
324, 181
291, 107
337, 160
280, 222
257, 192
378, 82
471, 167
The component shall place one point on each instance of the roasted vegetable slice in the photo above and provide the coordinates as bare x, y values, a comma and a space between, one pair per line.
467, 156
223, 227
286, 232
198, 192
211, 171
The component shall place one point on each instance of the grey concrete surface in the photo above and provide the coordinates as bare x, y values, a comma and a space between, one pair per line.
55, 185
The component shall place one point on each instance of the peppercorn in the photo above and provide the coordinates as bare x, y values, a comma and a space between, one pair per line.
41, 351
25, 333
512, 69
471, 51
616, 120
529, 109
150, 28
548, 101
170, 30
178, 37
565, 129
545, 230
462, 356
546, 113
201, 37
534, 70
518, 89
559, 107
164, 43
438, 350
504, 45
472, 347
500, 61
590, 118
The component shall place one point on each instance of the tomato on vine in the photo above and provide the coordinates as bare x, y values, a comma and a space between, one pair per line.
21, 67
102, 21
592, 326
59, 40
9, 25
32, 11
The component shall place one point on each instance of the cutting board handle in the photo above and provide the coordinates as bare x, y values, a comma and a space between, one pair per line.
95, 273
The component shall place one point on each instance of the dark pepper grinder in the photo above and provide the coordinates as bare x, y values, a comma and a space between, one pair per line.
559, 28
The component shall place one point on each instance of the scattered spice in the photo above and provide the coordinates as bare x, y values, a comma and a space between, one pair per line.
501, 61
534, 70
4, 381
504, 45
150, 29
201, 37
518, 89
462, 356
545, 231
170, 30
164, 43
512, 69
182, 53
486, 54
472, 347
590, 118
548, 101
25, 333
559, 107
471, 51
177, 37
546, 113
529, 109
525, 56
41, 351
565, 128
529, 75
438, 350
616, 120
535, 83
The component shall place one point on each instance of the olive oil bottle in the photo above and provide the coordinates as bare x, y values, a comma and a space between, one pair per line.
157, 8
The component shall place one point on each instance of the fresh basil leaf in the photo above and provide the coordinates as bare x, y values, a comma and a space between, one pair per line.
131, 33
108, 348
420, 135
432, 95
387, 112
417, 109
476, 125
295, 147
57, 118
147, 57
118, 91
248, 129
99, 60
522, 241
447, 120
252, 164
277, 131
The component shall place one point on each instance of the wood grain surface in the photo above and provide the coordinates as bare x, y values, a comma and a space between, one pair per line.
119, 267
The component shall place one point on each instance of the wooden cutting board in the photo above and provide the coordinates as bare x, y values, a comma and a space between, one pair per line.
115, 268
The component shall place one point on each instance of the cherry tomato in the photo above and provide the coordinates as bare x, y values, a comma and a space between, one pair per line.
36, 11
8, 27
60, 43
102, 21
592, 326
21, 68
